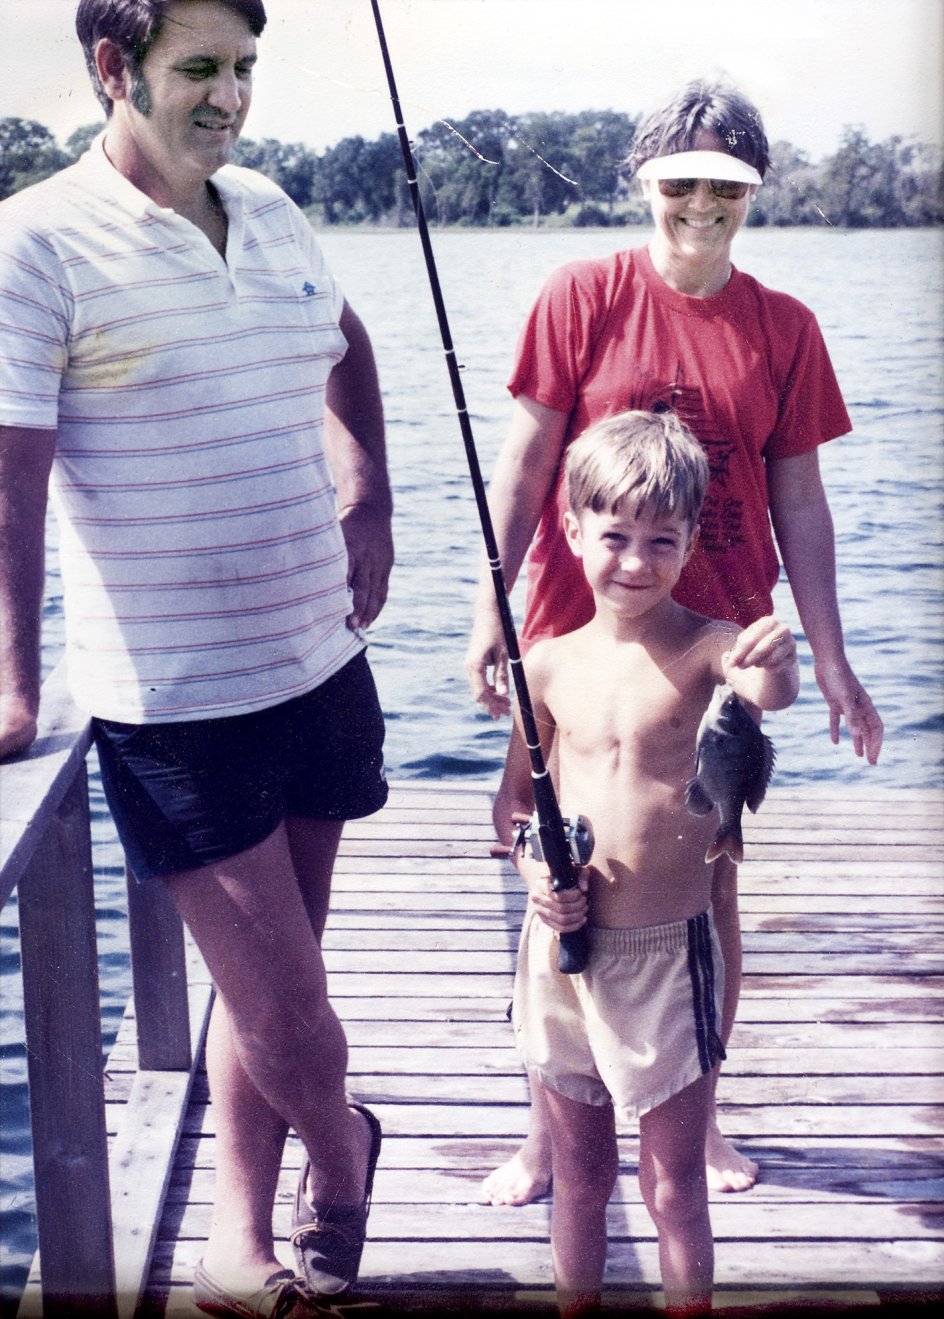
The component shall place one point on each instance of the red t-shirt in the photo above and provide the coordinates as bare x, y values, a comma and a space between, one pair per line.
746, 370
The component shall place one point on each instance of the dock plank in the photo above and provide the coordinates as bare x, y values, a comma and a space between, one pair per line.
835, 1077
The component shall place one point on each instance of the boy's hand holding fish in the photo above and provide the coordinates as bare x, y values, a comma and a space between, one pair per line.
733, 758
761, 666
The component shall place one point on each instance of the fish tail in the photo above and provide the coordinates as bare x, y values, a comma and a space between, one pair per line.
728, 839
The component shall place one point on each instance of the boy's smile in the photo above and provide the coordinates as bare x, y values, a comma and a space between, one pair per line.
631, 562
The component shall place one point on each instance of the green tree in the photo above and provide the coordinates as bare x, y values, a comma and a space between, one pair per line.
291, 165
342, 173
791, 190
384, 182
922, 185
848, 180
598, 147
541, 178
460, 165
80, 141
28, 153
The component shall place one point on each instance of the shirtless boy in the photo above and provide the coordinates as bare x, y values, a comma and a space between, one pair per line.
619, 701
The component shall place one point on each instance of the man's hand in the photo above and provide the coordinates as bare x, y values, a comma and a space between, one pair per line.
847, 698
369, 541
25, 460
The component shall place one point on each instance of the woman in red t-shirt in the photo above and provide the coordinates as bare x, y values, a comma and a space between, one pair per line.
675, 325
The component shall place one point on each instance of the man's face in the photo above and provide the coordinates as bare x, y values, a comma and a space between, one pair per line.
186, 106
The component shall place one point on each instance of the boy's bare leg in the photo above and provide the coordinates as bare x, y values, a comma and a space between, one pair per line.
728, 1169
585, 1163
674, 1185
276, 1053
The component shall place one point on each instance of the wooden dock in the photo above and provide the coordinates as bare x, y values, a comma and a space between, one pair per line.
834, 1079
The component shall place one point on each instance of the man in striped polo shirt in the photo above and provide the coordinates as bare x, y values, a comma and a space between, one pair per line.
179, 367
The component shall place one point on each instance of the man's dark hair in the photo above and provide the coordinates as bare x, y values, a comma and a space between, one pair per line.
720, 108
134, 26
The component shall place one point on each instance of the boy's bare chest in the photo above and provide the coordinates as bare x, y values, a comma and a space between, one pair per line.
649, 720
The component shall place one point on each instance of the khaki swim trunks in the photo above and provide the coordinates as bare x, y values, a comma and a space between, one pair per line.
636, 1027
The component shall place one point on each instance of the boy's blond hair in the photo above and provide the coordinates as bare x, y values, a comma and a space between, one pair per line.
649, 458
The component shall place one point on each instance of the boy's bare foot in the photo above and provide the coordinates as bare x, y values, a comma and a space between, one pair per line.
525, 1177
727, 1169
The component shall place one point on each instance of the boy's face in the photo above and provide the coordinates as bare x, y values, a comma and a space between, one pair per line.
631, 563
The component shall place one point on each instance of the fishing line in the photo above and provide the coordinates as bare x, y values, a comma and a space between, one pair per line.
552, 832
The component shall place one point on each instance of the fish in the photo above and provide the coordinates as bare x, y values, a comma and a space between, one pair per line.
733, 764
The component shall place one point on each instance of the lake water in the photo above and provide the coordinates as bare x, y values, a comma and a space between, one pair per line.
879, 298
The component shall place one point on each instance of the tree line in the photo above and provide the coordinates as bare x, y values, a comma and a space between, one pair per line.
492, 169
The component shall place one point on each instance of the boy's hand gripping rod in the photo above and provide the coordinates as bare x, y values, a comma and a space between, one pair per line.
564, 848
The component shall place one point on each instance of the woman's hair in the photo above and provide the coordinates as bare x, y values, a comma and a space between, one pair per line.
649, 458
717, 107
134, 26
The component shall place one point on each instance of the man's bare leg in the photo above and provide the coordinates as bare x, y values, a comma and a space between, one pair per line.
727, 1168
276, 1054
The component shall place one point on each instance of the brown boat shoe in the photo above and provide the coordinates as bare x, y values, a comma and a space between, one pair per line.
329, 1239
281, 1296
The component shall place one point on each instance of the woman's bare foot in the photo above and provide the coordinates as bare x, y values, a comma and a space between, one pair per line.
727, 1169
525, 1177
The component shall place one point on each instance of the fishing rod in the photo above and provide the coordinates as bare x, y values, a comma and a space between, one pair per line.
564, 845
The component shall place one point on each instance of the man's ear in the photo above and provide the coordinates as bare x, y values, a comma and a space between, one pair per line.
572, 533
110, 63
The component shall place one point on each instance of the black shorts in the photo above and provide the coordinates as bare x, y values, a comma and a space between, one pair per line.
184, 795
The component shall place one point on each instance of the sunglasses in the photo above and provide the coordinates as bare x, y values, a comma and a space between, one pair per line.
729, 189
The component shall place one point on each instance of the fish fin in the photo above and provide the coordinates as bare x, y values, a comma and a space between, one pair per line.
759, 789
727, 839
697, 800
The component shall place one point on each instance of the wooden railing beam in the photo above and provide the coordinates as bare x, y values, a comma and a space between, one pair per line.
159, 971
33, 785
64, 1058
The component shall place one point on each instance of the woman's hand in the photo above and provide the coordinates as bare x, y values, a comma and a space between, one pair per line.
487, 651
848, 699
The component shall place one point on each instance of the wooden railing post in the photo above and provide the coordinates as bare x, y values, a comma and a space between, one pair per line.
159, 972
65, 1065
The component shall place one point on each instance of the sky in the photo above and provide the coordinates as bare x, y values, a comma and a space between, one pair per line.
811, 66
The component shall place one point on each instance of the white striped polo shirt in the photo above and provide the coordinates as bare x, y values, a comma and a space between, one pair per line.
204, 569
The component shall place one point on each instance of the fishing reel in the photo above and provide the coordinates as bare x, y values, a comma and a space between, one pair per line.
578, 836
578, 839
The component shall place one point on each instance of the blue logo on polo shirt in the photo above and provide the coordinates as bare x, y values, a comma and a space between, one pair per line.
309, 290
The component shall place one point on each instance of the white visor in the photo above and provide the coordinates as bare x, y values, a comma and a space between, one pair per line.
699, 165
